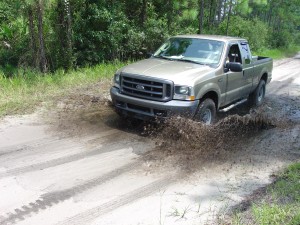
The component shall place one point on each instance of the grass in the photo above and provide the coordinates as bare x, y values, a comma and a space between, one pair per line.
280, 204
279, 53
28, 89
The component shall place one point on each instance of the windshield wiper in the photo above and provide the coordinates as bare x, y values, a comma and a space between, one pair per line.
192, 61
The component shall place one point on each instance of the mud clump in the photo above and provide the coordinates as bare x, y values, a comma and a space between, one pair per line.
186, 143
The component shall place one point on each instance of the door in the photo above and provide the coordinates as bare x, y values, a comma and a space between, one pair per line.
234, 79
247, 81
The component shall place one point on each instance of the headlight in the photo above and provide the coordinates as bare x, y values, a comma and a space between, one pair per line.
184, 93
182, 90
117, 80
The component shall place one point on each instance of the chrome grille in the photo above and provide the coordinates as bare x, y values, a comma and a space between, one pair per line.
148, 88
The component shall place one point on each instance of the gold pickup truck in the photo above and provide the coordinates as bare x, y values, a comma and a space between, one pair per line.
193, 76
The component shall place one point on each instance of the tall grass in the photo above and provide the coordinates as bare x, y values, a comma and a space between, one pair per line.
27, 88
278, 53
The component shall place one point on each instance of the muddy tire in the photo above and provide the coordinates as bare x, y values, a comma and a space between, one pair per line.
206, 112
257, 97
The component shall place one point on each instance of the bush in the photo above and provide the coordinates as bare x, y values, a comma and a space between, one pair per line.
244, 28
280, 39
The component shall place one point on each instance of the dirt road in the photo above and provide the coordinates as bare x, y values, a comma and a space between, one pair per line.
80, 164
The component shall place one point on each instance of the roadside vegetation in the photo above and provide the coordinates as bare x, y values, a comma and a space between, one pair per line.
48, 47
277, 204
66, 34
29, 89
279, 53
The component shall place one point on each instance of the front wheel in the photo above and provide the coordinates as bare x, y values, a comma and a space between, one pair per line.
257, 97
206, 112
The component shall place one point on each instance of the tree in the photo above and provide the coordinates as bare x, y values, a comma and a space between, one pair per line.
228, 16
42, 53
52, 34
201, 13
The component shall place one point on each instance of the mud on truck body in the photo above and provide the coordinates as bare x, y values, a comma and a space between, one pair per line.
194, 76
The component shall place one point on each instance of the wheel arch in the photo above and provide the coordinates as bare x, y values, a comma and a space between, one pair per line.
264, 77
213, 95
209, 90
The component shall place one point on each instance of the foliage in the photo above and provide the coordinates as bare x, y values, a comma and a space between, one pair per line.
75, 33
240, 27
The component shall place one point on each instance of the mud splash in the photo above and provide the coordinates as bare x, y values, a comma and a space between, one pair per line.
186, 143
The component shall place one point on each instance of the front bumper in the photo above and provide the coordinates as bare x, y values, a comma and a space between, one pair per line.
144, 109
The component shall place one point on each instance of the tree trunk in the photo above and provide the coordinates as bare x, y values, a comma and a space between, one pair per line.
143, 16
169, 12
33, 39
43, 60
211, 14
219, 10
270, 13
69, 34
228, 17
224, 10
201, 4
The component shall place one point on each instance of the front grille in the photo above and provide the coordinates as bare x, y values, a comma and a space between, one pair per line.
152, 89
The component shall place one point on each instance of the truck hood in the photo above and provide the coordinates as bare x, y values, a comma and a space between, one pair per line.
177, 71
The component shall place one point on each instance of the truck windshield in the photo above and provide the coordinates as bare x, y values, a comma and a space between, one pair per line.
194, 50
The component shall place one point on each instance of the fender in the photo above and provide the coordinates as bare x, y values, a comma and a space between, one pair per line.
209, 87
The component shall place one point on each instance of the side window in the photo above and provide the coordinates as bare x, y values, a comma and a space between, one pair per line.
246, 55
234, 54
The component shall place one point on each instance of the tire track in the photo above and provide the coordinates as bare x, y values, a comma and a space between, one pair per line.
53, 198
27, 145
58, 161
276, 86
88, 216
48, 141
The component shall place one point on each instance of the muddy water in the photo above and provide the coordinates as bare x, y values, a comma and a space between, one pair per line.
188, 143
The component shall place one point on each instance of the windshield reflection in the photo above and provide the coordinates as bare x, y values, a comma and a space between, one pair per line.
201, 51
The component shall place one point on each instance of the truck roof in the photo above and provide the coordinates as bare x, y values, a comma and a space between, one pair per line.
213, 37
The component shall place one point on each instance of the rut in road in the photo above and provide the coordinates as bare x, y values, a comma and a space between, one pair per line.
89, 215
59, 161
34, 147
27, 146
53, 198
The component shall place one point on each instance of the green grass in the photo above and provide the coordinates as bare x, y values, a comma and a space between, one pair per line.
280, 205
278, 53
27, 89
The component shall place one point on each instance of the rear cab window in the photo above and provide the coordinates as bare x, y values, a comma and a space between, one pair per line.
245, 51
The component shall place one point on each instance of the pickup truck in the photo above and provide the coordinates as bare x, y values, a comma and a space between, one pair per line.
193, 76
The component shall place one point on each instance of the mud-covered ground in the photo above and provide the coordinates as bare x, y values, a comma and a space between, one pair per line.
76, 162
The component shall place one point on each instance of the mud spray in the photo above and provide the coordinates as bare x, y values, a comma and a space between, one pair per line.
188, 143
178, 141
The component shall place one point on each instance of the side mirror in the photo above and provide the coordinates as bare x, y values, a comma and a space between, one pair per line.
234, 67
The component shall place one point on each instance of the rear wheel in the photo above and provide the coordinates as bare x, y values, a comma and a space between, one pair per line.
257, 97
206, 112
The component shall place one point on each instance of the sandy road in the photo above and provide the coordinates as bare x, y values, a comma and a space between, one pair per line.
98, 176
